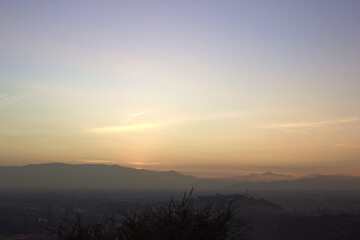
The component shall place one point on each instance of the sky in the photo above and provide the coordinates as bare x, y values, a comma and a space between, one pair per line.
207, 88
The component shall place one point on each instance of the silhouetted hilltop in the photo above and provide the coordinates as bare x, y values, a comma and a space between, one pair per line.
245, 205
90, 177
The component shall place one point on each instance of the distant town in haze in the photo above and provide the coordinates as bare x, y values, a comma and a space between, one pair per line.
179, 120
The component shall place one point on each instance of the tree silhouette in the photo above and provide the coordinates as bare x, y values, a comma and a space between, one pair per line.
172, 220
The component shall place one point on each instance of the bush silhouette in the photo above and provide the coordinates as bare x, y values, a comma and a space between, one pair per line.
173, 220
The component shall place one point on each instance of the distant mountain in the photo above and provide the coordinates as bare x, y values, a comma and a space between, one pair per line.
263, 177
314, 182
59, 176
91, 177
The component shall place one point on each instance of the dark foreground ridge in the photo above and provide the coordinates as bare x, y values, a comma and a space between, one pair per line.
32, 215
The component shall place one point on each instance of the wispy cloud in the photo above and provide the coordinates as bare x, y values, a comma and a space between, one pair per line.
124, 128
299, 127
150, 125
138, 114
6, 99
97, 161
143, 163
21, 91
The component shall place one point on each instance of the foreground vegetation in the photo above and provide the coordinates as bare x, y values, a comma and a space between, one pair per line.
173, 220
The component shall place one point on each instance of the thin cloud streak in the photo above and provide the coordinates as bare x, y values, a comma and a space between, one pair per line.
9, 99
147, 126
124, 128
135, 115
98, 161
294, 127
144, 163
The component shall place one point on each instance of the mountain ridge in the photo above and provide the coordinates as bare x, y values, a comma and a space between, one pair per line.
89, 176
62, 176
